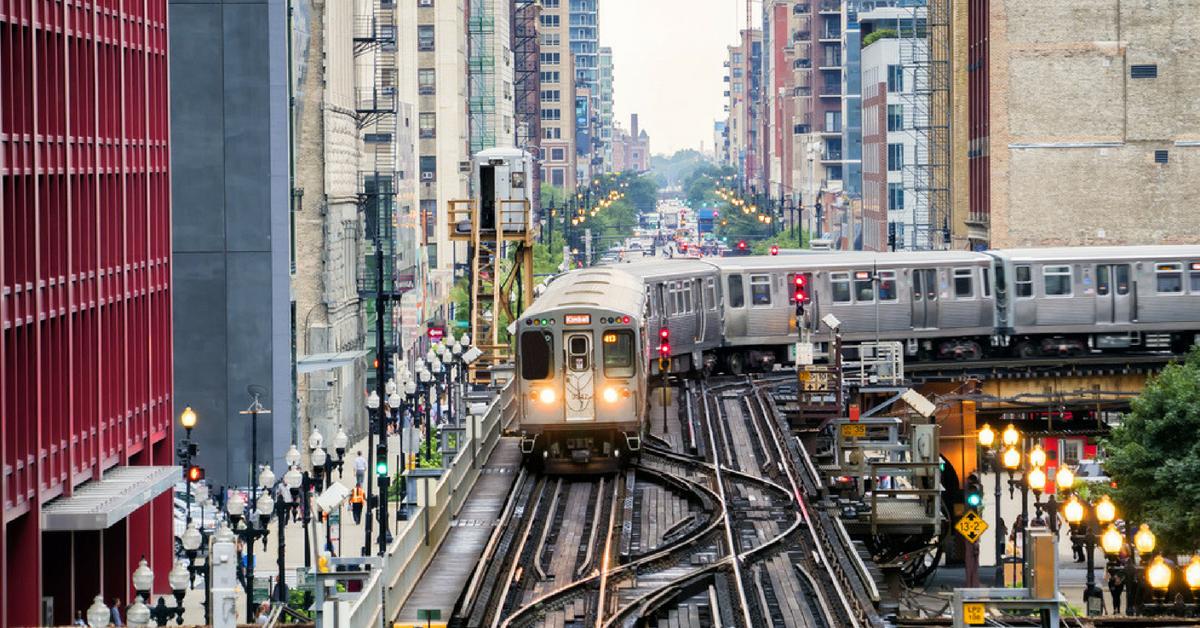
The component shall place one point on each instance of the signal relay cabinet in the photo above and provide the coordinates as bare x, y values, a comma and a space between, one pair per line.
503, 180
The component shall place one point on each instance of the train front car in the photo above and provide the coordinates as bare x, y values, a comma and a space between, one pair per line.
581, 355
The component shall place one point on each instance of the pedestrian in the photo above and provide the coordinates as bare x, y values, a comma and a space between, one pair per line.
115, 612
264, 614
357, 499
79, 621
1077, 533
360, 468
1116, 582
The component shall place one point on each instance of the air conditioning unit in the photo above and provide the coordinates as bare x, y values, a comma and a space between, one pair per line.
427, 176
424, 3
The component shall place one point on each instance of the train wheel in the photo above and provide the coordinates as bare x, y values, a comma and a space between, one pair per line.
1027, 350
535, 462
737, 363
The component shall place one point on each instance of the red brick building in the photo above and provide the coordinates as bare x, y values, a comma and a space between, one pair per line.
85, 305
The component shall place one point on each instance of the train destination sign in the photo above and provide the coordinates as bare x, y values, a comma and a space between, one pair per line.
578, 319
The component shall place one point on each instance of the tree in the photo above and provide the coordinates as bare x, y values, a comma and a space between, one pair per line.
1154, 456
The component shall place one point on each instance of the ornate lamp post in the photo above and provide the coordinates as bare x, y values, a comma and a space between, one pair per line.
1089, 520
143, 580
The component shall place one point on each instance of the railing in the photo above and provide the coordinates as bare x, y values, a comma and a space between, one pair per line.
441, 495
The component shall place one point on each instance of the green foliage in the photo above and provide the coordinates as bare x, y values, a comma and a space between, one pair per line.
431, 455
1154, 456
676, 168
783, 240
874, 36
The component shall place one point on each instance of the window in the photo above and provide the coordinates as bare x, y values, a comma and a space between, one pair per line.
1194, 278
895, 157
986, 283
551, 114
1162, 156
1169, 278
1057, 280
1145, 71
737, 297
864, 286
426, 81
425, 37
1072, 451
427, 124
578, 354
896, 200
962, 284
678, 296
429, 218
737, 58
549, 58
895, 78
710, 294
550, 4
1121, 275
558, 154
551, 39
833, 121
895, 117
552, 133
760, 289
1024, 282
428, 167
618, 353
551, 95
550, 20
841, 287
887, 285
557, 177
1103, 280
536, 355
550, 77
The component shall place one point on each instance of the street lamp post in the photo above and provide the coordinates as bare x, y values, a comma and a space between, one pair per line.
187, 449
143, 581
1088, 519
987, 440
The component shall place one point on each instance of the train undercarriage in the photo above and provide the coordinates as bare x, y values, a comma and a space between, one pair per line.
576, 450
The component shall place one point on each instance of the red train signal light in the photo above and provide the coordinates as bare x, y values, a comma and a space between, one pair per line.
741, 245
774, 249
664, 342
194, 473
800, 295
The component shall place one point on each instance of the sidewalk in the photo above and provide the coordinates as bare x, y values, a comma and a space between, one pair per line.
347, 539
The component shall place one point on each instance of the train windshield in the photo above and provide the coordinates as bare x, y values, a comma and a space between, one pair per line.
536, 355
618, 353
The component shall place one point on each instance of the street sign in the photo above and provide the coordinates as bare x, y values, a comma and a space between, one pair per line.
854, 430
974, 614
436, 333
971, 526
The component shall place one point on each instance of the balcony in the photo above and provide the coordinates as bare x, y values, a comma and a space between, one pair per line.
830, 6
800, 9
831, 155
831, 35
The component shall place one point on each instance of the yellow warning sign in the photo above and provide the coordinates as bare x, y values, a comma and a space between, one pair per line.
971, 526
854, 430
974, 614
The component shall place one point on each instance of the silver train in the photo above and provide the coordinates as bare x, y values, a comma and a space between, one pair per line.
584, 398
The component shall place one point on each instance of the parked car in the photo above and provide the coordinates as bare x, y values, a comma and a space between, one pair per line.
1091, 472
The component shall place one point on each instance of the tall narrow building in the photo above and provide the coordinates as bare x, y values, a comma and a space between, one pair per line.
606, 109
557, 75
585, 47
490, 67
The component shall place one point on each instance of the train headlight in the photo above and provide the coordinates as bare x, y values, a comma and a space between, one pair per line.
546, 396
611, 395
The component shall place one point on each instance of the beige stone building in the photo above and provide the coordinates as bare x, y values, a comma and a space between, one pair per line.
1087, 127
557, 95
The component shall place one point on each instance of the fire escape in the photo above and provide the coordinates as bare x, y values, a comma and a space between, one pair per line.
527, 97
376, 104
925, 59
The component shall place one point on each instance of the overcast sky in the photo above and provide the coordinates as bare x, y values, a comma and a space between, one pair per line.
668, 60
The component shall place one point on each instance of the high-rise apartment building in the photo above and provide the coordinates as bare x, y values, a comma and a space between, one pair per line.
1083, 124
585, 46
745, 86
490, 67
86, 304
606, 109
557, 74
527, 83
443, 132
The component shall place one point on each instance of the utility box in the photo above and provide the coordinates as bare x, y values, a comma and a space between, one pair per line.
1043, 565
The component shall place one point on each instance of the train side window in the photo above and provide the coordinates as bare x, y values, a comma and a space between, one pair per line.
986, 283
962, 284
887, 285
840, 282
737, 297
1103, 280
1169, 277
1121, 277
760, 289
618, 353
1194, 277
918, 292
688, 301
1057, 280
679, 307
710, 294
864, 287
536, 355
1024, 282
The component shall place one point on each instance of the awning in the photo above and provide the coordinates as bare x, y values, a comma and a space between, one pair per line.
97, 505
326, 361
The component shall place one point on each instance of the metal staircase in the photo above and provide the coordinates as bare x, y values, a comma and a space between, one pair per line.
924, 58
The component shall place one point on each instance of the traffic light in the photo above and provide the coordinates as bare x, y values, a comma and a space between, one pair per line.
381, 463
664, 343
774, 249
194, 473
973, 493
741, 245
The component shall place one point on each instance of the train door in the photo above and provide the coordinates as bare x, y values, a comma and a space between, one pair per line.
701, 307
580, 381
924, 298
1112, 294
